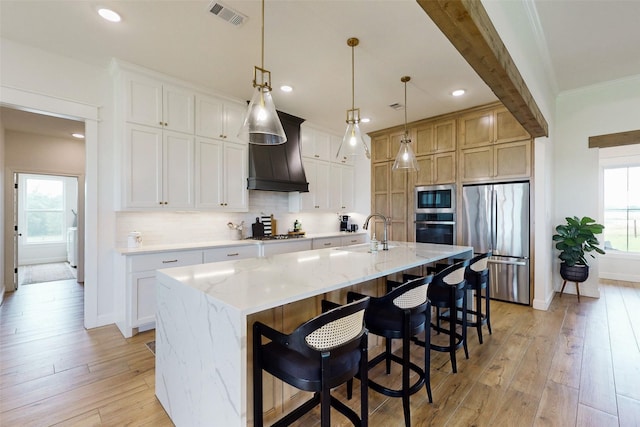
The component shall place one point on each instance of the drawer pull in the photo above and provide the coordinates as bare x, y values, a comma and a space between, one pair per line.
235, 254
169, 261
354, 241
327, 244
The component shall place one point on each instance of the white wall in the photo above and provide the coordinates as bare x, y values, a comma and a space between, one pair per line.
3, 283
595, 110
518, 28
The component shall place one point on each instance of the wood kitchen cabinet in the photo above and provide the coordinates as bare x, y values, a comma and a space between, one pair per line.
221, 175
436, 169
154, 103
499, 161
435, 136
158, 168
218, 118
489, 126
389, 197
385, 147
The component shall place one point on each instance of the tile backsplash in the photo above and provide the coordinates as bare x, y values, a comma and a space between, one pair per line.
159, 227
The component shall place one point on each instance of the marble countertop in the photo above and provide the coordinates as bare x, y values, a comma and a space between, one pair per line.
147, 249
256, 284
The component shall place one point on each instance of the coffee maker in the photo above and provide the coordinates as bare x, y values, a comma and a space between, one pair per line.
344, 222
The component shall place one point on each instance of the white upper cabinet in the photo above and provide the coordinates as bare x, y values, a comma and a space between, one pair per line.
218, 118
221, 175
336, 141
154, 103
158, 168
342, 188
315, 144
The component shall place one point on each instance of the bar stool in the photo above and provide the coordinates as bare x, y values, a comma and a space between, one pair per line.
321, 354
401, 314
477, 276
447, 290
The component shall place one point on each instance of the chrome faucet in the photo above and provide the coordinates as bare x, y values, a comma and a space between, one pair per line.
385, 243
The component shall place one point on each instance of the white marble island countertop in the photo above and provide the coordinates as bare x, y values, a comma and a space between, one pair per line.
256, 284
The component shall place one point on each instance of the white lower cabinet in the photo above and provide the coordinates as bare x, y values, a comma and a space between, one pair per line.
138, 298
231, 253
327, 242
286, 246
356, 239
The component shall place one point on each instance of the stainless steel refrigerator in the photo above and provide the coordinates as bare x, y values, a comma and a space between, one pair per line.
496, 217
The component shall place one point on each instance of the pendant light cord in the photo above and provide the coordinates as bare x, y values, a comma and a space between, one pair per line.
353, 80
262, 57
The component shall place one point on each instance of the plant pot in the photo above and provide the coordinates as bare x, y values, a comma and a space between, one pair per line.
576, 273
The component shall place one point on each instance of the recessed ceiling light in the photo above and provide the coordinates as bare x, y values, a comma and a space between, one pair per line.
109, 15
365, 120
286, 88
77, 135
458, 92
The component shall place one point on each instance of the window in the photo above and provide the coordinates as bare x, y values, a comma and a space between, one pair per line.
622, 208
44, 210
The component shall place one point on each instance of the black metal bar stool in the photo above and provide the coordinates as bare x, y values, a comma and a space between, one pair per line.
323, 353
447, 291
402, 313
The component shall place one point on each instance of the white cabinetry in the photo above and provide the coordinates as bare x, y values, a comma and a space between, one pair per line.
231, 253
285, 246
221, 175
218, 118
335, 146
327, 242
153, 103
315, 144
137, 300
158, 168
356, 239
331, 180
342, 187
317, 172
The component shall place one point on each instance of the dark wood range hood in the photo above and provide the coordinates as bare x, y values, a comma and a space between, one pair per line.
279, 167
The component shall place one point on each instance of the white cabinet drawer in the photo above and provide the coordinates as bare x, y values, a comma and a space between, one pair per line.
354, 240
164, 260
231, 253
327, 242
275, 247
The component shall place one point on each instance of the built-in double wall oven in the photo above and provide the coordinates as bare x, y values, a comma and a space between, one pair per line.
435, 214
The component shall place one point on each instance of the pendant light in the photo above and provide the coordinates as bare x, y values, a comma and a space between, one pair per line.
406, 159
261, 124
350, 145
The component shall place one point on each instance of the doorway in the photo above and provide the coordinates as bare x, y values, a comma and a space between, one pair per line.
46, 228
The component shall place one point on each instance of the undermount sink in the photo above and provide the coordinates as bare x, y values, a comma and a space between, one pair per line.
364, 247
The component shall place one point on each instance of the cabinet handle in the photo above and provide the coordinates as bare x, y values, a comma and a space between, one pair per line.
327, 244
221, 136
316, 156
159, 203
236, 254
166, 124
169, 261
160, 123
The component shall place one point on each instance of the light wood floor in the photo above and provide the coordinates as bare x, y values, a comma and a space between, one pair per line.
576, 365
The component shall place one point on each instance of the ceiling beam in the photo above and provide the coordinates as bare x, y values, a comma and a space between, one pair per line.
468, 27
615, 139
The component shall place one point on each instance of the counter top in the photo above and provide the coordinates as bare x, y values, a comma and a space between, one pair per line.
256, 284
147, 249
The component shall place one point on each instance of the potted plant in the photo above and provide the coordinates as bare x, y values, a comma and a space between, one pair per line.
575, 240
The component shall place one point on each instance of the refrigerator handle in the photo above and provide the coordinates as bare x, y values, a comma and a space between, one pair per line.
494, 218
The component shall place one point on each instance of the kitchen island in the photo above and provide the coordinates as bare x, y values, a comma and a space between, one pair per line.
203, 314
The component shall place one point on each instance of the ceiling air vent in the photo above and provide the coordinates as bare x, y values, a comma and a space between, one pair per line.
396, 106
226, 13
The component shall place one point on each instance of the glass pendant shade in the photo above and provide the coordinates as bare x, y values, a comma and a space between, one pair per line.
406, 158
351, 142
261, 124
